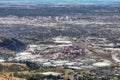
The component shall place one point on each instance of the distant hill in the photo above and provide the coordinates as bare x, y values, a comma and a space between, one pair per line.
11, 44
55, 1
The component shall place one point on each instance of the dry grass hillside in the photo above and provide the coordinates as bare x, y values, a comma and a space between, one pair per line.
7, 70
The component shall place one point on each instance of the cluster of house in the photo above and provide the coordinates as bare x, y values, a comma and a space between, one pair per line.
105, 47
68, 55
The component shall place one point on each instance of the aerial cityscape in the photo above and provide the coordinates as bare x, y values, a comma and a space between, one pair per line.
59, 40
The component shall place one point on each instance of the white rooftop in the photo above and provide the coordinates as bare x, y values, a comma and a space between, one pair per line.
51, 73
101, 64
23, 53
65, 42
2, 60
74, 67
65, 45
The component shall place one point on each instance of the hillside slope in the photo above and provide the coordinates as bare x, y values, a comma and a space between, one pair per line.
11, 44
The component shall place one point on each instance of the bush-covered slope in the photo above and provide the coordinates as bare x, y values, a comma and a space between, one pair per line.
11, 44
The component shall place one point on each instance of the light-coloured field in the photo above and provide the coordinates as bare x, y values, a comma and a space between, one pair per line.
9, 64
7, 76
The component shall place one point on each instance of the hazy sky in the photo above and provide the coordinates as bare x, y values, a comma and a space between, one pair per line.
56, 1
